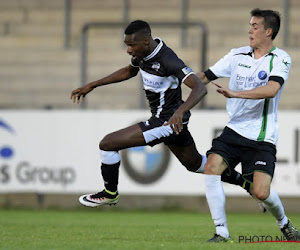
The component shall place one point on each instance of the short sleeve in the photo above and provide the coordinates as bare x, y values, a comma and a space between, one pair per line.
176, 67
281, 67
222, 68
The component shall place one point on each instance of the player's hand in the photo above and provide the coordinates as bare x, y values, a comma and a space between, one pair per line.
79, 94
224, 90
175, 122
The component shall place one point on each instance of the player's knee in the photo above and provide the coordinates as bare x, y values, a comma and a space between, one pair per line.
215, 166
191, 164
261, 193
106, 144
211, 169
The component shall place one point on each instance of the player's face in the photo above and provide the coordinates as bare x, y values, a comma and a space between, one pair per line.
258, 35
137, 46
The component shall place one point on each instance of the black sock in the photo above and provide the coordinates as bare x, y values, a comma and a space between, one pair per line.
110, 174
246, 186
236, 179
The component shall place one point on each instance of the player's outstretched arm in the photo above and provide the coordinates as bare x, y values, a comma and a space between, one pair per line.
202, 77
268, 91
120, 75
197, 93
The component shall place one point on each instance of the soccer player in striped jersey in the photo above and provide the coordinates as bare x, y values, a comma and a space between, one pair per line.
162, 73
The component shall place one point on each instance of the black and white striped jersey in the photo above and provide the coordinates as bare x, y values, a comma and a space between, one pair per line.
162, 73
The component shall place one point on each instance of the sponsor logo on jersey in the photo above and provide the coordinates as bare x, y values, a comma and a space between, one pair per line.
156, 66
152, 83
244, 65
261, 163
262, 75
187, 70
248, 82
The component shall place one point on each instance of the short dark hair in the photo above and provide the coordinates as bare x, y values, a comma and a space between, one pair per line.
138, 27
271, 18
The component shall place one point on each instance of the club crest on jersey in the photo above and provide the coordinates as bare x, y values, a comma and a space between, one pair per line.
156, 66
262, 75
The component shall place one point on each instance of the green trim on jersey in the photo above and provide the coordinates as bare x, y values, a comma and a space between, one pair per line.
271, 61
273, 48
263, 128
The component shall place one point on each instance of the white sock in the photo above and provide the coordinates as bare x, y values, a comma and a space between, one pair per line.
274, 206
109, 157
216, 201
201, 169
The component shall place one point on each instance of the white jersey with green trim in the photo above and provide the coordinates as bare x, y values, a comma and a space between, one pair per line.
255, 119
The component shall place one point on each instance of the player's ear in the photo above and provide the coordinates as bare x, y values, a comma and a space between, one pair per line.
269, 32
147, 40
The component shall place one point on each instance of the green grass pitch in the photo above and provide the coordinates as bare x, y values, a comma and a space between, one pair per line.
99, 228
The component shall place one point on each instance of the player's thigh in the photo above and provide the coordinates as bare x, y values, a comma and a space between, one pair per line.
258, 157
187, 155
124, 138
224, 153
184, 148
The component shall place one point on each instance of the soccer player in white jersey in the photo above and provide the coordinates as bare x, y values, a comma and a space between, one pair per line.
258, 74
163, 73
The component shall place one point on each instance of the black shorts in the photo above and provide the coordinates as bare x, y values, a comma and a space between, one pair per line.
253, 155
183, 139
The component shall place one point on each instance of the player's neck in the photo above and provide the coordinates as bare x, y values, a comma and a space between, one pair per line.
262, 50
153, 45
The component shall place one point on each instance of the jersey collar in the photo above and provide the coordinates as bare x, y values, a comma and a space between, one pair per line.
270, 53
156, 50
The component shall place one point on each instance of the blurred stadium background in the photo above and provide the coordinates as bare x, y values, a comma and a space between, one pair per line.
41, 63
